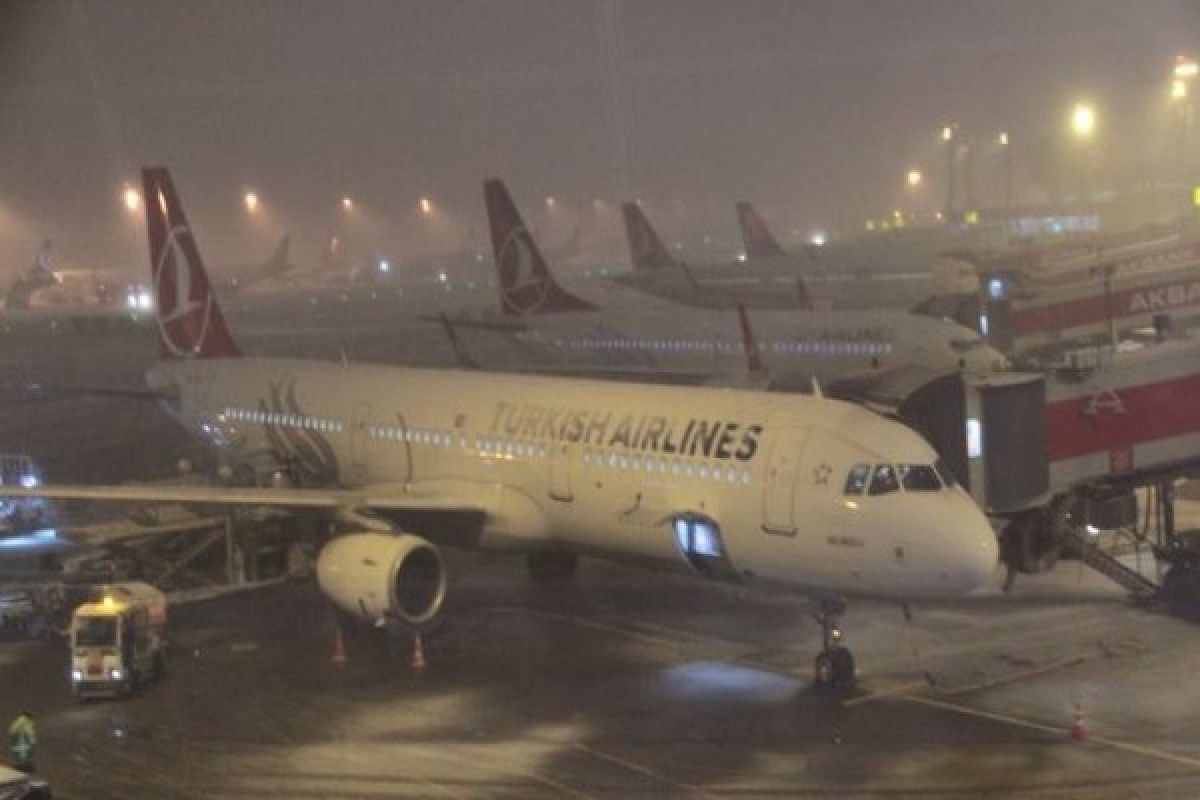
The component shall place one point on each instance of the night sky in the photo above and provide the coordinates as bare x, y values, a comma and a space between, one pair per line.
815, 110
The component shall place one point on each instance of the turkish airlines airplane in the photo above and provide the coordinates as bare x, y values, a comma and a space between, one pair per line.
659, 272
805, 494
636, 334
892, 274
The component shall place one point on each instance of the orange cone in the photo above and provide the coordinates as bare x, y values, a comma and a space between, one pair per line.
418, 657
1079, 724
339, 647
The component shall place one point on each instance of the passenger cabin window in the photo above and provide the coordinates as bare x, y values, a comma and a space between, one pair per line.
919, 478
856, 481
883, 480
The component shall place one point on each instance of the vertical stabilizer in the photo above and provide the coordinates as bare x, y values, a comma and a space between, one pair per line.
190, 324
278, 264
647, 253
525, 283
756, 236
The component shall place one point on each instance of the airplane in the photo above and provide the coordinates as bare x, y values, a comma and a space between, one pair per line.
895, 273
39, 276
275, 268
643, 337
799, 493
658, 272
51, 299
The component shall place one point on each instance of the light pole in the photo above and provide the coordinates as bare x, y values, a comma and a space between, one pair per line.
951, 148
132, 199
1183, 75
1083, 126
913, 179
1006, 155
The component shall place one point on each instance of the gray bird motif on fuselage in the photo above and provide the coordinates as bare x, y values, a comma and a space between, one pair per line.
307, 450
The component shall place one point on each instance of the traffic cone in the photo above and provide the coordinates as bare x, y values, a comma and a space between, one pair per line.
339, 647
1079, 724
418, 656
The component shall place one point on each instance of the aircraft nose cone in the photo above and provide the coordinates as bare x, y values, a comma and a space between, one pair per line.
978, 551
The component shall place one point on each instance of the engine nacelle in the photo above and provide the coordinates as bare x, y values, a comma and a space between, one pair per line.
377, 576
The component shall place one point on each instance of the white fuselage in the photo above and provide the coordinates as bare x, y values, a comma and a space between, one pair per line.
796, 346
613, 469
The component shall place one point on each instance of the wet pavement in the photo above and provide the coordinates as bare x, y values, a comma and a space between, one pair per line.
633, 684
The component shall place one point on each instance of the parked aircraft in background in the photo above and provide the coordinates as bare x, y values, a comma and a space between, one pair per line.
622, 331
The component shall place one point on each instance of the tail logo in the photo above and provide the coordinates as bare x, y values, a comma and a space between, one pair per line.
755, 226
521, 288
182, 320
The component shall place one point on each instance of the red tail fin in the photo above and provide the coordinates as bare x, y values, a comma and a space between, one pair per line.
756, 236
647, 253
190, 324
525, 283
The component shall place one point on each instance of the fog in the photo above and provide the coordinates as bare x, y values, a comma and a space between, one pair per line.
816, 111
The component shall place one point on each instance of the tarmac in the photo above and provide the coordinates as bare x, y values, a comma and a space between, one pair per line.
636, 684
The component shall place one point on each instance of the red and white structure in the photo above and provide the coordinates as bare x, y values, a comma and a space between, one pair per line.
1134, 412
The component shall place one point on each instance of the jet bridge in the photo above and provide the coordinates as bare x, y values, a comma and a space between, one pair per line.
1059, 453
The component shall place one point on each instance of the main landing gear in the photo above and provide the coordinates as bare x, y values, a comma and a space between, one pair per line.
834, 665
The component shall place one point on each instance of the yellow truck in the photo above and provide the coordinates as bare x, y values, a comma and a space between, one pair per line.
117, 640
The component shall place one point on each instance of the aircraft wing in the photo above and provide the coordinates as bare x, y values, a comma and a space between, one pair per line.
390, 498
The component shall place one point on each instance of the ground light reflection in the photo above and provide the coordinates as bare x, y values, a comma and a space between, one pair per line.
725, 680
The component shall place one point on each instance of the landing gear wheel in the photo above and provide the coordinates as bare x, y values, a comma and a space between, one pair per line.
823, 671
551, 568
833, 668
843, 668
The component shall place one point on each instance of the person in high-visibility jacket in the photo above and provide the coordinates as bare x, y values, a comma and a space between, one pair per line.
22, 741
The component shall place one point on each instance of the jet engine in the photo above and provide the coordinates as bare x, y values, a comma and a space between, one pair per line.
381, 576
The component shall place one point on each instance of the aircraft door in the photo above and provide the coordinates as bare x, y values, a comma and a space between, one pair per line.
779, 489
360, 443
560, 472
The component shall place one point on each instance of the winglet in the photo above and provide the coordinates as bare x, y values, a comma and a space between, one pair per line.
756, 236
460, 350
525, 283
190, 324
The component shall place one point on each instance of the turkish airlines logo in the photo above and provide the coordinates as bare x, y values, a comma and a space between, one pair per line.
521, 288
185, 305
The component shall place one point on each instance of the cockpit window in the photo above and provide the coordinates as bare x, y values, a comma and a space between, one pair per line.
943, 469
919, 478
883, 480
856, 481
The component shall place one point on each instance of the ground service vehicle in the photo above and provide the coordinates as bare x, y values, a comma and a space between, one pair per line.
118, 640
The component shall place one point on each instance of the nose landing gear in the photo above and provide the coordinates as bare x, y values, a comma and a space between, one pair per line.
833, 669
